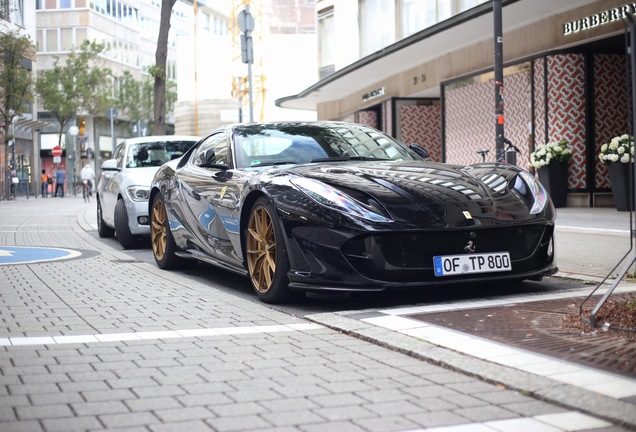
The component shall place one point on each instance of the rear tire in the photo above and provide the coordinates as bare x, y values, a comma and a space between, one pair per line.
125, 237
164, 247
267, 260
103, 230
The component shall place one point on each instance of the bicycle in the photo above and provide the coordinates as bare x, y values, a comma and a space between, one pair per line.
86, 190
510, 147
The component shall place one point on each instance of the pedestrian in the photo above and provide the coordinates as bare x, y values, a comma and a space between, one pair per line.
60, 176
44, 178
88, 175
13, 175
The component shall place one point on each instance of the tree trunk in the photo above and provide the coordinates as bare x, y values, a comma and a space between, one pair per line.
161, 55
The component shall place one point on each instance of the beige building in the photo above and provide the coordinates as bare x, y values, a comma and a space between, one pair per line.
129, 29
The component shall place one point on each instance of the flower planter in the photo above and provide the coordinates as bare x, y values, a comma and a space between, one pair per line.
554, 177
620, 181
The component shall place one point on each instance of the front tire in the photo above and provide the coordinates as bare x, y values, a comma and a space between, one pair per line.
125, 237
103, 230
164, 247
267, 260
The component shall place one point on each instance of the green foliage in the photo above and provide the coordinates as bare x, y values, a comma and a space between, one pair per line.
135, 97
81, 83
157, 72
16, 84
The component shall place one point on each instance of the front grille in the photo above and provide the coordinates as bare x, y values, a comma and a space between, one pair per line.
416, 250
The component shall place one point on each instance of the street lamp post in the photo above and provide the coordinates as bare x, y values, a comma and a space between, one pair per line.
246, 25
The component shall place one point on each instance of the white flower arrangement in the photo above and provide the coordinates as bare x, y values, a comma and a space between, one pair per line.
619, 149
557, 151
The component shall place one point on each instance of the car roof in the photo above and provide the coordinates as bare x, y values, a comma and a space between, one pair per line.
155, 138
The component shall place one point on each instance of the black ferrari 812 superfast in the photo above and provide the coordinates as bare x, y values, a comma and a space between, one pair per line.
315, 206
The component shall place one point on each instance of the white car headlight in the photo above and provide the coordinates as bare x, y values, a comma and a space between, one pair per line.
525, 183
330, 197
138, 193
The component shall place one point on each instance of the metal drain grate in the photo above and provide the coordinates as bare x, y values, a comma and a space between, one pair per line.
539, 327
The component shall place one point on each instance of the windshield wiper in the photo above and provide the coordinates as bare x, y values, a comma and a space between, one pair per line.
347, 158
273, 163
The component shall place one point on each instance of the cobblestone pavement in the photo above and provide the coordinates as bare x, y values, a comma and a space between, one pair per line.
104, 342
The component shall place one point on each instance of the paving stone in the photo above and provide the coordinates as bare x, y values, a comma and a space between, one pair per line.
189, 426
71, 424
181, 414
108, 395
437, 419
43, 411
295, 418
389, 423
485, 413
238, 409
23, 426
99, 408
289, 404
238, 423
113, 421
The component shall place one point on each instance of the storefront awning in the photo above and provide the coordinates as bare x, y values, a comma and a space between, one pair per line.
29, 125
462, 30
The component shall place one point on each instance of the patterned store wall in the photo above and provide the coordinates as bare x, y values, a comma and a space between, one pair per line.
538, 66
422, 124
470, 119
611, 102
367, 118
566, 110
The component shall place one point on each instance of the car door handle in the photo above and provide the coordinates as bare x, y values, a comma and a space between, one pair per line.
190, 191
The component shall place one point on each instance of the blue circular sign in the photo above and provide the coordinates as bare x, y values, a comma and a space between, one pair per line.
28, 255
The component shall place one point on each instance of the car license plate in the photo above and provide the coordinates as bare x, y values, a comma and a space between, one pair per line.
449, 265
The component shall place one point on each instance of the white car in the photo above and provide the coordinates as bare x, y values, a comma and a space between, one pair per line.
122, 191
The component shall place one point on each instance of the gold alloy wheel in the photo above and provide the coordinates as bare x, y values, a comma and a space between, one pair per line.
261, 249
158, 229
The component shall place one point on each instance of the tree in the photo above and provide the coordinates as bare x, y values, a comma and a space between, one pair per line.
80, 84
136, 97
16, 84
159, 70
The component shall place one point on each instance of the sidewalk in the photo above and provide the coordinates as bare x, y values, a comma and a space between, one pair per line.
550, 379
82, 347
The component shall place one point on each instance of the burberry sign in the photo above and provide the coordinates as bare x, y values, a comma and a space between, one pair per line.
598, 19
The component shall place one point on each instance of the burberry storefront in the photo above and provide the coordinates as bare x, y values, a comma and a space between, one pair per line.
566, 77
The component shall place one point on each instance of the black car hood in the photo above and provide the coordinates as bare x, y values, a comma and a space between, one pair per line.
429, 194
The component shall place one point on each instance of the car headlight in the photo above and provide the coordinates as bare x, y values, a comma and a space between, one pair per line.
528, 187
138, 193
330, 197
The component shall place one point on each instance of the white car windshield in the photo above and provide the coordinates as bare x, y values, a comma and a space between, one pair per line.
155, 153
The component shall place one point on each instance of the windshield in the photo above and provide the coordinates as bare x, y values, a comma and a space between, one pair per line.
155, 153
257, 145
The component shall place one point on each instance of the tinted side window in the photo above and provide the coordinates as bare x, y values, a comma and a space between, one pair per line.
216, 143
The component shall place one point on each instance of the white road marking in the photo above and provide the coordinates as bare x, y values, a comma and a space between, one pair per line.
153, 335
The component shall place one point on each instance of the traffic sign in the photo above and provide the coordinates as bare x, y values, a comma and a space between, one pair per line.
56, 151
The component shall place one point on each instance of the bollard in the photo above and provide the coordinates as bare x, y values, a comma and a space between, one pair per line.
511, 156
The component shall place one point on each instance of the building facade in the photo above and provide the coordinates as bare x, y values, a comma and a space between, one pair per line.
129, 29
18, 15
428, 79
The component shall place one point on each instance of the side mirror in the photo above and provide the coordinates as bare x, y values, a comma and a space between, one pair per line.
110, 165
419, 150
